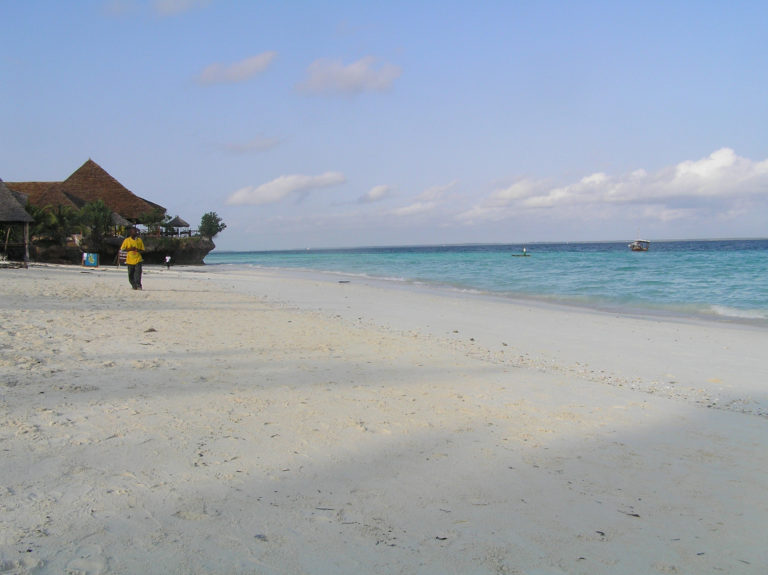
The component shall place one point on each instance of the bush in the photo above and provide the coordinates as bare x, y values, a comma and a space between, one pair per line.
211, 225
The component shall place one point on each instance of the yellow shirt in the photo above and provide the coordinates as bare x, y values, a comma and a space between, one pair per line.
132, 257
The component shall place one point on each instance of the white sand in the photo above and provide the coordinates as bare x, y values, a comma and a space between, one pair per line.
273, 423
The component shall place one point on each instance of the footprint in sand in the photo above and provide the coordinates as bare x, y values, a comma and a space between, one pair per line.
89, 561
20, 566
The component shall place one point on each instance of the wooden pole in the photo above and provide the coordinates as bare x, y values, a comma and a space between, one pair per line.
26, 244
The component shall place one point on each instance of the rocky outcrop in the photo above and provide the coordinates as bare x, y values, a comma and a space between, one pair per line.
55, 253
183, 251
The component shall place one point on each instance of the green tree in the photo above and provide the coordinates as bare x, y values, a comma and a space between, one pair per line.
153, 220
96, 217
211, 225
44, 224
166, 225
54, 224
65, 223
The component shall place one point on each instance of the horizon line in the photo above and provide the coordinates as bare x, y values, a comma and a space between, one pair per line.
468, 244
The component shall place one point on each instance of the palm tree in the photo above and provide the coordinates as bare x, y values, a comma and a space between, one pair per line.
66, 222
43, 224
97, 218
55, 224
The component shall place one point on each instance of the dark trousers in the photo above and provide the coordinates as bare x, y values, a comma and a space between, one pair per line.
134, 275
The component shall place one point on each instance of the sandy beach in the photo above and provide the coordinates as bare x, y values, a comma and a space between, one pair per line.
282, 423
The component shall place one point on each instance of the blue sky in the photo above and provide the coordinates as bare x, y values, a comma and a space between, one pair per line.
329, 124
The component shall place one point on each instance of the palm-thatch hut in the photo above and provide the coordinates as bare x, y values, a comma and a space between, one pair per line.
178, 224
12, 217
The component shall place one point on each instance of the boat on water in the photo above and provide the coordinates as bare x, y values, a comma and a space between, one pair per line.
525, 254
640, 246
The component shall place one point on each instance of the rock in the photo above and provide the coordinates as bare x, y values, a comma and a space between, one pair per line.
183, 251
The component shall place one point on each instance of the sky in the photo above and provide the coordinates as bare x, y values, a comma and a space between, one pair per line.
308, 124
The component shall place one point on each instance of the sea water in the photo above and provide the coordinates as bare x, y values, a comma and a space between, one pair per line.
714, 278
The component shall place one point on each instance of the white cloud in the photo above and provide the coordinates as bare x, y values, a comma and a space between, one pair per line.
238, 71
663, 213
714, 164
721, 177
480, 213
171, 7
162, 8
282, 187
426, 201
517, 191
497, 205
436, 192
580, 192
120, 7
332, 77
415, 208
722, 173
376, 194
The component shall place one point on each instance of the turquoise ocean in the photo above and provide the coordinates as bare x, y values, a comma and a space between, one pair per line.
717, 279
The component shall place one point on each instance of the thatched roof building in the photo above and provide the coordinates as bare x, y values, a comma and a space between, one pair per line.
12, 207
38, 195
13, 214
177, 222
89, 183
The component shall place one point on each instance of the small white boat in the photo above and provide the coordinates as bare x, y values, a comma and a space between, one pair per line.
525, 254
640, 246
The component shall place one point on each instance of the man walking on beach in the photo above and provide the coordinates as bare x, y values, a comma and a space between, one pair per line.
133, 246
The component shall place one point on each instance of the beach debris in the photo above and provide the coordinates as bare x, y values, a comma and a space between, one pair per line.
631, 514
150, 330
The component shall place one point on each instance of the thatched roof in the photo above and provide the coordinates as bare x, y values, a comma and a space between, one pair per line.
11, 209
33, 190
42, 194
89, 183
177, 222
